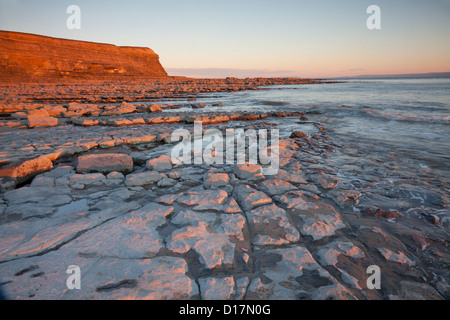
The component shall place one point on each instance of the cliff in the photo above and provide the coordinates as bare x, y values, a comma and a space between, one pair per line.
33, 57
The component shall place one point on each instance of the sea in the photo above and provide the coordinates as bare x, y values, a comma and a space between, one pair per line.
410, 116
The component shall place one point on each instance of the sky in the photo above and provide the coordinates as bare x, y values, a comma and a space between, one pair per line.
248, 38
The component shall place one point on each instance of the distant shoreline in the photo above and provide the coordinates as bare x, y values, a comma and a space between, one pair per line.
430, 75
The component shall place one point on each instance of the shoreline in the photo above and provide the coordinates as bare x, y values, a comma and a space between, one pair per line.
171, 231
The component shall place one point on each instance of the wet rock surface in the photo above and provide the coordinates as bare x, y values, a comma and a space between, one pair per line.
109, 199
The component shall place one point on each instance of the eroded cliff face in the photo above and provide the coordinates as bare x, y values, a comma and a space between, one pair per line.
27, 56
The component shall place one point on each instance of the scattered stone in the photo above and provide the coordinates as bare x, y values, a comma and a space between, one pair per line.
166, 183
142, 179
249, 198
344, 198
55, 111
216, 180
174, 175
276, 186
115, 175
156, 108
162, 163
118, 122
248, 171
329, 255
198, 105
85, 122
124, 108
86, 179
295, 201
396, 257
325, 181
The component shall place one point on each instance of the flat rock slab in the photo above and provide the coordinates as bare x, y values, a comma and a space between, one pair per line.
271, 226
204, 200
249, 198
400, 257
214, 249
217, 288
159, 278
86, 179
133, 236
105, 163
34, 237
292, 273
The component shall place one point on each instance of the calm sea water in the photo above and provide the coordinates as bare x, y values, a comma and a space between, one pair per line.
412, 115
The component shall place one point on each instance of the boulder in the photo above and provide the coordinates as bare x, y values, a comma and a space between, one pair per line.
124, 108
25, 170
198, 105
216, 180
162, 163
156, 108
298, 134
105, 163
34, 121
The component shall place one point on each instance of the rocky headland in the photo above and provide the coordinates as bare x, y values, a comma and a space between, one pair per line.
35, 57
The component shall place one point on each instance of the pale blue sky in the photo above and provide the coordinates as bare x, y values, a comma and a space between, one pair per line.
321, 38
